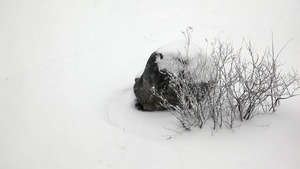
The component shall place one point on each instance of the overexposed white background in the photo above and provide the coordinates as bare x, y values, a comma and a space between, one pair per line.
67, 69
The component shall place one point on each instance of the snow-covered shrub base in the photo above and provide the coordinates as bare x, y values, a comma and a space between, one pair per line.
226, 87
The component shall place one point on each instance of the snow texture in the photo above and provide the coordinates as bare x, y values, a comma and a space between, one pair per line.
67, 69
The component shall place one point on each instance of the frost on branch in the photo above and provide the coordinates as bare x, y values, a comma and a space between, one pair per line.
226, 87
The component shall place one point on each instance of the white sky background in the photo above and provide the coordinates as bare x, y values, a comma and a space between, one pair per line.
66, 64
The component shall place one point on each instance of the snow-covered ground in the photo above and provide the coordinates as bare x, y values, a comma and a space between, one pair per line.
67, 68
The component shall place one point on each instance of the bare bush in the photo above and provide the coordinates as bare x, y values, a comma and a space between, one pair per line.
239, 86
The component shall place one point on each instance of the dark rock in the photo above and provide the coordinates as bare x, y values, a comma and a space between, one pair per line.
152, 77
186, 65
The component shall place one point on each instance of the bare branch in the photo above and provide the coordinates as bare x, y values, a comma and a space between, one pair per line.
240, 87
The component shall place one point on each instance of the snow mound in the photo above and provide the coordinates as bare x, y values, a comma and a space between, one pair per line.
180, 48
179, 56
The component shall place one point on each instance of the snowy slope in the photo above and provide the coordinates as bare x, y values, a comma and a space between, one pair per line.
66, 74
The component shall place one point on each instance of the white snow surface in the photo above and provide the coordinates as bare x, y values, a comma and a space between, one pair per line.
67, 69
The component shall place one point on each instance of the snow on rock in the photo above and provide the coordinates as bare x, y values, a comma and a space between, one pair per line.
179, 55
180, 48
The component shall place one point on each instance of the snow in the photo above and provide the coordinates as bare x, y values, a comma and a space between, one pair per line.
66, 74
182, 55
180, 48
